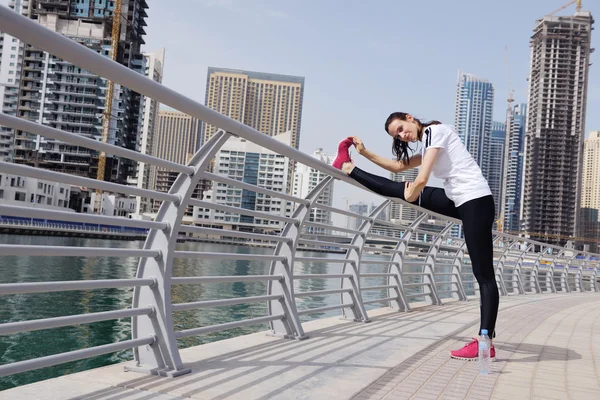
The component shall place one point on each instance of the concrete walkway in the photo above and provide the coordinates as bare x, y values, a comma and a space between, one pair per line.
546, 350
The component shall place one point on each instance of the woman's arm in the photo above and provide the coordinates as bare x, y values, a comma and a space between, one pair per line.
413, 189
386, 163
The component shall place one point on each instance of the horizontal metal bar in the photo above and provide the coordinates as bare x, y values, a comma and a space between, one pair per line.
327, 244
416, 253
41, 213
436, 264
447, 291
367, 248
446, 256
319, 276
451, 247
376, 274
321, 292
49, 361
378, 224
416, 273
223, 302
378, 287
24, 170
228, 325
64, 286
384, 300
48, 323
72, 251
426, 232
197, 280
415, 284
227, 256
446, 283
323, 309
323, 259
377, 262
339, 211
57, 134
449, 274
418, 295
222, 232
390, 238
241, 211
331, 227
416, 262
253, 188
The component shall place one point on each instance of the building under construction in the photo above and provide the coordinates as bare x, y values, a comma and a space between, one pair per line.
59, 94
558, 80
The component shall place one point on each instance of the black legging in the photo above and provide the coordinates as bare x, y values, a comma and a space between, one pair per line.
477, 217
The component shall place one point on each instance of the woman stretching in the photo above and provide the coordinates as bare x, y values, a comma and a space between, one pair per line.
466, 196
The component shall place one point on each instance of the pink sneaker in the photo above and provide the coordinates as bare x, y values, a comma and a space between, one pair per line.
343, 153
470, 352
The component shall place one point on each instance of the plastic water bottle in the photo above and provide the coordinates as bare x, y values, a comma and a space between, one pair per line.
484, 353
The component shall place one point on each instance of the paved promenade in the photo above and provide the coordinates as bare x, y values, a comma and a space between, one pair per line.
546, 350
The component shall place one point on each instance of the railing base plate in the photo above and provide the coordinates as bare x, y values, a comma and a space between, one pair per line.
364, 321
279, 335
157, 371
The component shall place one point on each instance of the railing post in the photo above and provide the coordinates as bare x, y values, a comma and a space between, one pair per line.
357, 312
163, 358
538, 262
456, 278
291, 327
567, 274
536, 269
516, 275
397, 267
553, 268
594, 280
499, 268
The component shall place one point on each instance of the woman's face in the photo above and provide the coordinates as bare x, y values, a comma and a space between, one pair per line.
406, 131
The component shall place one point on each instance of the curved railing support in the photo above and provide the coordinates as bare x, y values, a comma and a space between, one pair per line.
290, 327
499, 268
455, 278
163, 357
357, 312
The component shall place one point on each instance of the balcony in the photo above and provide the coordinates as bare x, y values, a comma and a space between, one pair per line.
55, 3
75, 93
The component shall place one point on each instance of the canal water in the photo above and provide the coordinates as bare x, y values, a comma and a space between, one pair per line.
29, 345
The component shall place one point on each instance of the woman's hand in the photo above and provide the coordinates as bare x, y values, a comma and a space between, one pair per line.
410, 194
358, 144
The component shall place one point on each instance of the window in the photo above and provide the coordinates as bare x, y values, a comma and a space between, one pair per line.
40, 185
1, 194
20, 196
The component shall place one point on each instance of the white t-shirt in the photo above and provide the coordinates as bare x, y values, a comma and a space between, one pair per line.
463, 180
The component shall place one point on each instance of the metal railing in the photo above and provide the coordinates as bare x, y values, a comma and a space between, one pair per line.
423, 261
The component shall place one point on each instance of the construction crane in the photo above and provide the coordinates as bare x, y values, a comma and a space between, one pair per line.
110, 86
578, 7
